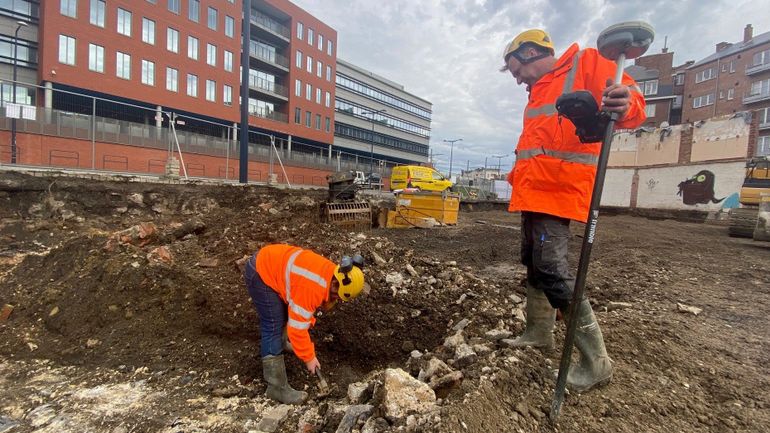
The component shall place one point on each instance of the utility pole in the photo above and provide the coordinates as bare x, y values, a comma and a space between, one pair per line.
371, 115
243, 166
451, 151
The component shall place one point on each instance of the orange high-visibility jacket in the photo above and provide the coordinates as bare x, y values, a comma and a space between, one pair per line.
554, 172
302, 279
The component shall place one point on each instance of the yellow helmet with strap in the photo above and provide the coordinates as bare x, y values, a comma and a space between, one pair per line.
533, 36
350, 277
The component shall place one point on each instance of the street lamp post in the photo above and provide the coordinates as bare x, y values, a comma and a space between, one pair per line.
20, 24
451, 151
371, 115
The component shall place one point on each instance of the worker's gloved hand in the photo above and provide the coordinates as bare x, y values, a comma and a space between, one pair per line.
616, 98
312, 365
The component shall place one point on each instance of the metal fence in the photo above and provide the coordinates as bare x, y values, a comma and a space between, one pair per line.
128, 124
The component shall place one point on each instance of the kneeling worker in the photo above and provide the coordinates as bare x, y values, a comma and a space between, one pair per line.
287, 284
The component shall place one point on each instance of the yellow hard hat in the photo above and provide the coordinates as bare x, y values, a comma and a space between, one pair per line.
351, 282
533, 36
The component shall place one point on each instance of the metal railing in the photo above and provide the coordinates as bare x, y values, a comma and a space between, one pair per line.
751, 97
269, 86
270, 24
269, 56
269, 114
755, 69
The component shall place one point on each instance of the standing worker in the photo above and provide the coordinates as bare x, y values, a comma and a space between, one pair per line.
552, 183
287, 284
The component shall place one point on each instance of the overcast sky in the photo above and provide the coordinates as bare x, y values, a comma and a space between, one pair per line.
449, 51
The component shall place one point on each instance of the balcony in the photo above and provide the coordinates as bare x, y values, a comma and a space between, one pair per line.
268, 114
268, 88
750, 98
755, 69
276, 62
271, 28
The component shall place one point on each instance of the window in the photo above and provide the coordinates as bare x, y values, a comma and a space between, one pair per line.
308, 118
192, 47
649, 110
328, 124
761, 58
730, 94
763, 146
211, 90
328, 99
172, 79
148, 72
69, 8
173, 6
300, 30
66, 50
679, 79
97, 13
702, 101
227, 95
329, 47
310, 36
297, 116
732, 66
760, 88
95, 58
764, 116
319, 67
318, 95
328, 73
123, 69
228, 61
651, 87
318, 122
298, 61
192, 85
148, 31
721, 94
211, 54
194, 10
704, 75
320, 42
308, 92
724, 67
172, 40
309, 64
297, 88
212, 18
124, 22
229, 26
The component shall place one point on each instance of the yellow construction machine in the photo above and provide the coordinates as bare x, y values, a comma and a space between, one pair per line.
751, 219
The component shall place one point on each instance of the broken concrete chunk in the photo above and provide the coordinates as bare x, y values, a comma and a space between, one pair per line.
682, 308
459, 326
136, 198
360, 392
273, 418
395, 279
411, 270
352, 415
497, 334
378, 260
612, 305
464, 355
403, 395
435, 367
454, 340
446, 382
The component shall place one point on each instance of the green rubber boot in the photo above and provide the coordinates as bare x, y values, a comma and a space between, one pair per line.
594, 367
540, 320
278, 388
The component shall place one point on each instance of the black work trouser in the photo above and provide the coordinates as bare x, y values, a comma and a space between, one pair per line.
544, 249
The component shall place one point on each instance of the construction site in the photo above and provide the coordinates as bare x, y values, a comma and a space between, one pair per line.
125, 310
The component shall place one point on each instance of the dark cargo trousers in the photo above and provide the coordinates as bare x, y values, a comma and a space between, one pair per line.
544, 248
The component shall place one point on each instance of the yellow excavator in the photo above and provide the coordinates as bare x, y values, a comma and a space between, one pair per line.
752, 218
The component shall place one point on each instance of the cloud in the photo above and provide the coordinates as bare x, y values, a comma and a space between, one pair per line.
449, 51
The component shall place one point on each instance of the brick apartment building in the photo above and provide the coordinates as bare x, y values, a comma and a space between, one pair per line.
735, 78
183, 56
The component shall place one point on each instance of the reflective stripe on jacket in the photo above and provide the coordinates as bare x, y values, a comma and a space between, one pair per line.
302, 279
554, 171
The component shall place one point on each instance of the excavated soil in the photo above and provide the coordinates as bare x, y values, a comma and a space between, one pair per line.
121, 337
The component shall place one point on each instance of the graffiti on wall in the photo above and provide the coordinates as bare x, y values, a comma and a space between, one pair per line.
699, 189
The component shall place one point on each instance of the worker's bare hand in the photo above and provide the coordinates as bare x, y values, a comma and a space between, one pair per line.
312, 365
616, 98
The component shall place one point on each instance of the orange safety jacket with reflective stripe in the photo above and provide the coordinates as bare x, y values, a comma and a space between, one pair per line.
554, 172
302, 279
